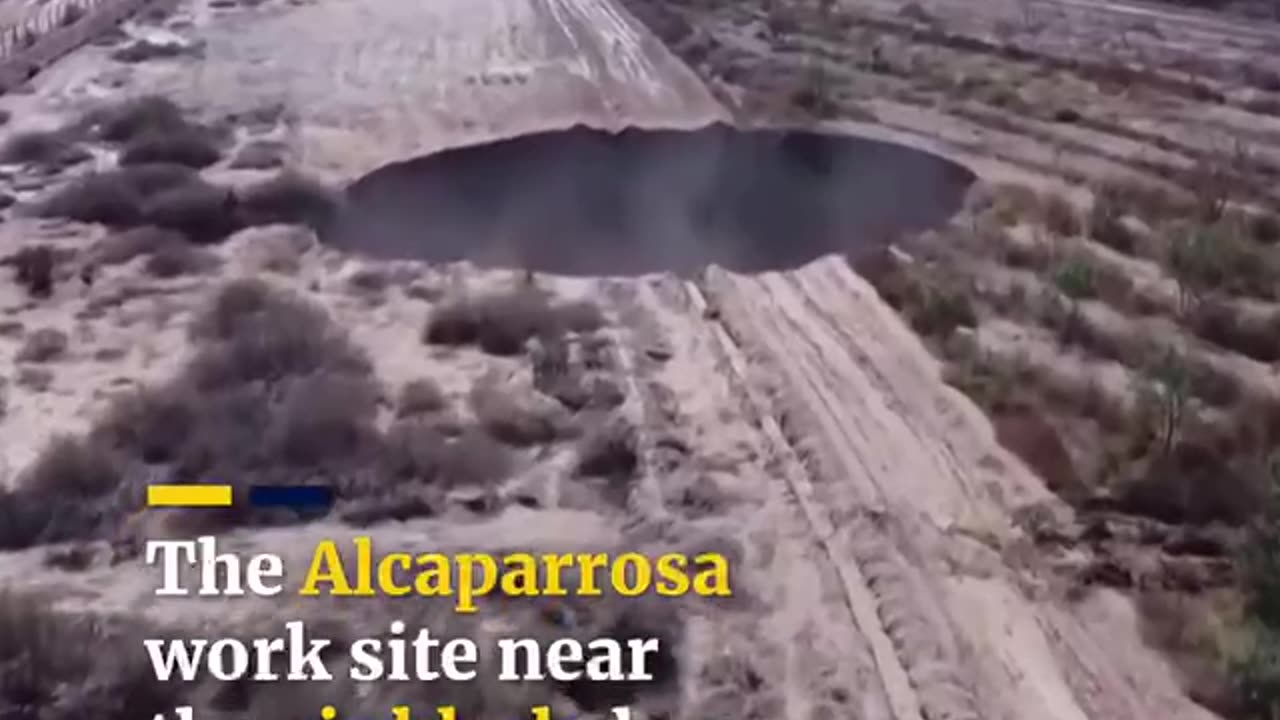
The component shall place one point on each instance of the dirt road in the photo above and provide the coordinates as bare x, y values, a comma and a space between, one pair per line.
871, 505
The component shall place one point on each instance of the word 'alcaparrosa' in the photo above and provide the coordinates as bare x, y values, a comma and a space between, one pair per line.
467, 576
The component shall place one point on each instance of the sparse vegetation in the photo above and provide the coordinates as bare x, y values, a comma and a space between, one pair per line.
511, 421
33, 270
276, 393
1215, 258
1256, 671
610, 451
143, 50
501, 323
289, 197
259, 155
1013, 203
1075, 280
135, 118
190, 147
43, 345
420, 397
41, 666
115, 198
52, 150
125, 246
1060, 215
1107, 223
1167, 391
202, 212
171, 260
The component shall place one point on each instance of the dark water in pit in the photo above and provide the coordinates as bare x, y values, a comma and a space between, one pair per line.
583, 201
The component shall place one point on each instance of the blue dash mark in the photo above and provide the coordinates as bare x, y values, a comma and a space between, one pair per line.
298, 497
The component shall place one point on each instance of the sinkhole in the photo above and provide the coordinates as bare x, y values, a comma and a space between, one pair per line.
590, 202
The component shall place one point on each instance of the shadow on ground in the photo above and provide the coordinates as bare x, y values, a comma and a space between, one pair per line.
590, 202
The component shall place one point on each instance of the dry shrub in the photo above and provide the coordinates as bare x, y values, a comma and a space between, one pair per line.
43, 345
44, 672
1195, 484
251, 332
203, 212
932, 309
50, 149
151, 425
178, 259
63, 495
148, 180
938, 312
1220, 324
915, 11
1013, 203
474, 458
1113, 285
259, 155
1265, 229
1188, 630
581, 316
189, 147
1107, 223
288, 198
1212, 384
123, 247
577, 393
1220, 257
73, 468
511, 421
114, 198
611, 451
398, 503
33, 269
417, 452
413, 450
502, 323
72, 558
322, 418
1212, 183
275, 394
134, 118
420, 397
142, 50
98, 198
23, 519
370, 281
554, 375
1060, 215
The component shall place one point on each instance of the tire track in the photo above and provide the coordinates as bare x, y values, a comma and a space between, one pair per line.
922, 642
861, 602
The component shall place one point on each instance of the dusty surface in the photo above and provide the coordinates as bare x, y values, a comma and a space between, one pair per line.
869, 505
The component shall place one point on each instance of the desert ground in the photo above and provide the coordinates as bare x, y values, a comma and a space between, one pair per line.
1006, 466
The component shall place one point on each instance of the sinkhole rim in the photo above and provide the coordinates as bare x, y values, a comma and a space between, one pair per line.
582, 200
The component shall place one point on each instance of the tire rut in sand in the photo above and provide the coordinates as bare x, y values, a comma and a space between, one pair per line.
789, 643
829, 422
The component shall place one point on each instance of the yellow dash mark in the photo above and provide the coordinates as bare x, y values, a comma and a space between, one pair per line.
189, 496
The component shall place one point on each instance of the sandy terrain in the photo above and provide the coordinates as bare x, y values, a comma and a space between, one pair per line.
869, 506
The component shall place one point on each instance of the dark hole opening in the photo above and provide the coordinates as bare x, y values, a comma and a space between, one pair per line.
590, 202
